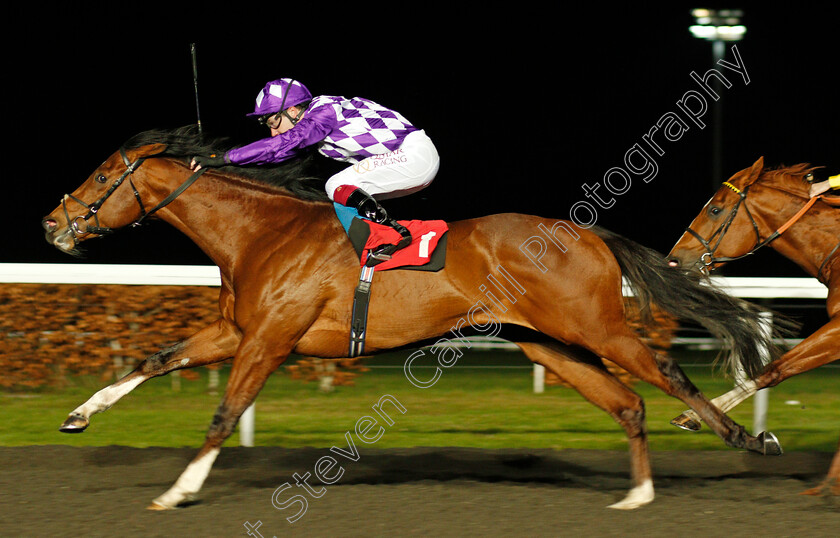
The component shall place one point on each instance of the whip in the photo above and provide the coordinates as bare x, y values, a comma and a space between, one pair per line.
195, 86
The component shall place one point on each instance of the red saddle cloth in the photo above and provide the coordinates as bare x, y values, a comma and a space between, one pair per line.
426, 237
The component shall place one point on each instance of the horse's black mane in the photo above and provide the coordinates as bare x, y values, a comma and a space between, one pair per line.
301, 176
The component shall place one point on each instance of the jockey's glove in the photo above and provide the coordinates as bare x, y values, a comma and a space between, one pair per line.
214, 160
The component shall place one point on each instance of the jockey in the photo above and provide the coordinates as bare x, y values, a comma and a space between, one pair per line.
389, 156
831, 183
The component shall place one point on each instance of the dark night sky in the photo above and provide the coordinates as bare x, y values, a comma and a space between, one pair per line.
524, 106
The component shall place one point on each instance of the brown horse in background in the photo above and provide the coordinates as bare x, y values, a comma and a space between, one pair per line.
288, 276
759, 206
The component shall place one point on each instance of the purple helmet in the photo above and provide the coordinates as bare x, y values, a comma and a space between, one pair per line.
278, 95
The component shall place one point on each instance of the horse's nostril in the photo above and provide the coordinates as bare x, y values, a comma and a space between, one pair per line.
49, 224
673, 262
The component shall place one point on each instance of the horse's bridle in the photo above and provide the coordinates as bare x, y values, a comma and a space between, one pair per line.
708, 258
93, 208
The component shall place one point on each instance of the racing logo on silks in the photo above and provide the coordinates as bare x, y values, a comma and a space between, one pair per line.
374, 162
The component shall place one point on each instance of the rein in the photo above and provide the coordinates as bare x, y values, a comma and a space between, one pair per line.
708, 258
826, 260
93, 209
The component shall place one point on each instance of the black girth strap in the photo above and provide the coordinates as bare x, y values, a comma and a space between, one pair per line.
358, 322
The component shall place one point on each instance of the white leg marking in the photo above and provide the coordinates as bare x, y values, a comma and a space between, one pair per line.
729, 400
107, 397
735, 396
638, 496
190, 481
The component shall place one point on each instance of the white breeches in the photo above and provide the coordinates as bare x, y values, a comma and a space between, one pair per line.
407, 170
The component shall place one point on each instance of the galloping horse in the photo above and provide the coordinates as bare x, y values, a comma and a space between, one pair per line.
757, 207
288, 275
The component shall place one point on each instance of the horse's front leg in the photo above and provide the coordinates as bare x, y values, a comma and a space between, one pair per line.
214, 343
259, 355
831, 482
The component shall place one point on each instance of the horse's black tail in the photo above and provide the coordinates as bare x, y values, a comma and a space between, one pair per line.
688, 295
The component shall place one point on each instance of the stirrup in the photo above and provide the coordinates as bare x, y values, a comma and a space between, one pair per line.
375, 257
383, 253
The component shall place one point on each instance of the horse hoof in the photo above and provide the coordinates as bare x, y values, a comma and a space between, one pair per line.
74, 424
817, 491
770, 444
686, 423
828, 486
159, 507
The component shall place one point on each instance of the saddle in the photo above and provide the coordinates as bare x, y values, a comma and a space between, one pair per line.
426, 252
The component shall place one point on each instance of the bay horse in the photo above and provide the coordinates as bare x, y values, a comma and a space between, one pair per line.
760, 207
288, 275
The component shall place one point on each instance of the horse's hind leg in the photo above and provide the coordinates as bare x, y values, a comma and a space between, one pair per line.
624, 348
586, 373
690, 420
214, 343
818, 349
602, 329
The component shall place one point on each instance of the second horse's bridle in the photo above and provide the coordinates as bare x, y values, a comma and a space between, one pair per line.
708, 258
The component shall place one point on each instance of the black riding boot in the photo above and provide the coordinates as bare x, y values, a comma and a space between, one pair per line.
370, 208
366, 206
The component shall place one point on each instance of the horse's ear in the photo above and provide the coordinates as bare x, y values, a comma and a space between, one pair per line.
755, 171
145, 151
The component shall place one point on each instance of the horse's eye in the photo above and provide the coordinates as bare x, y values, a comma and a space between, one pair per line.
714, 211
101, 178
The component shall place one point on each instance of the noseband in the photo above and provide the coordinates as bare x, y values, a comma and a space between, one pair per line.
708, 258
80, 225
